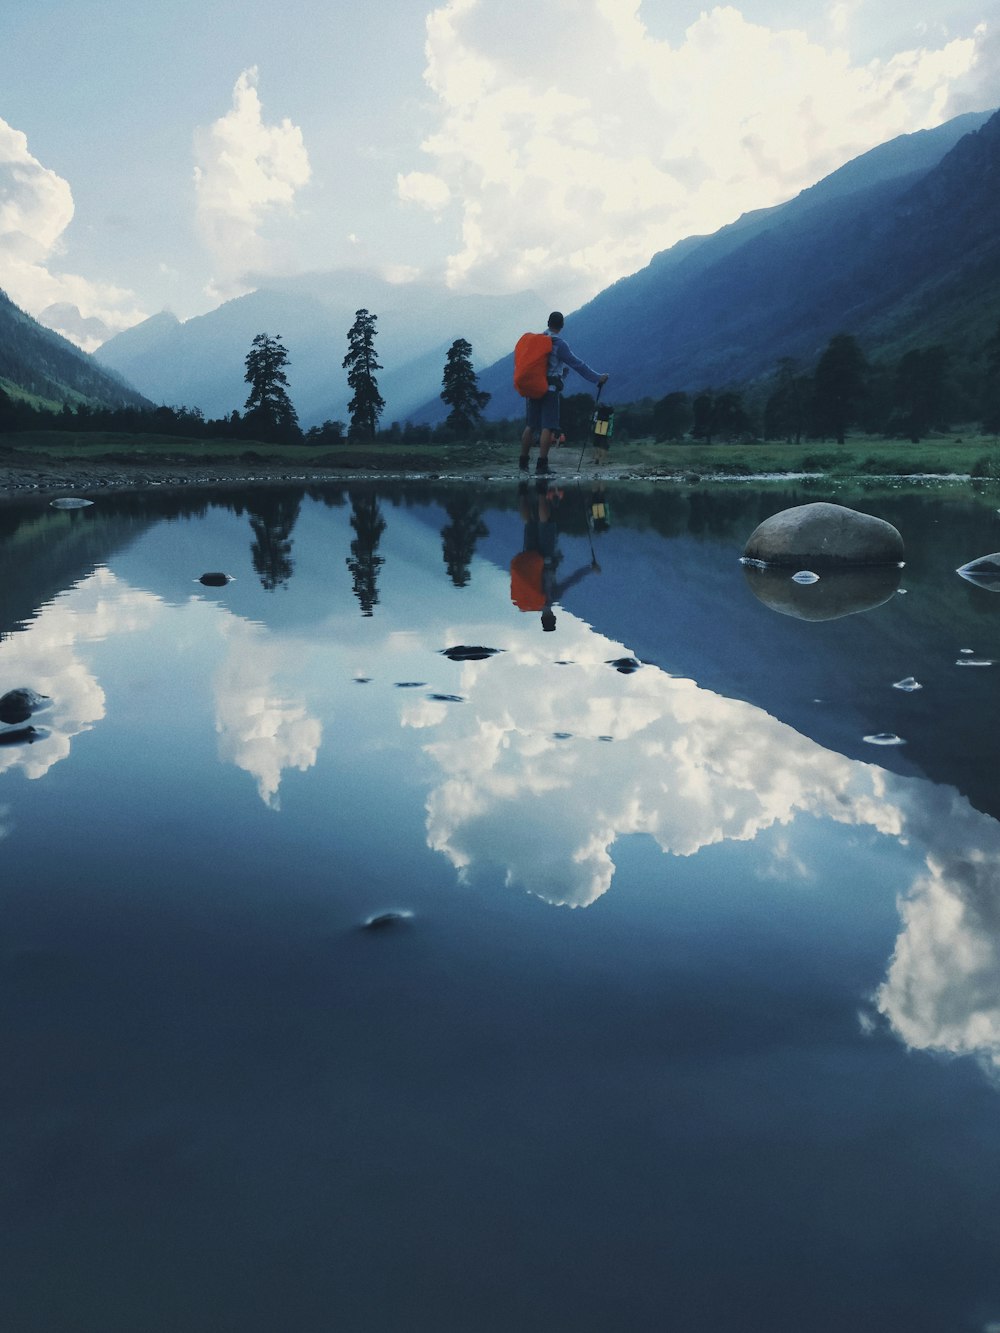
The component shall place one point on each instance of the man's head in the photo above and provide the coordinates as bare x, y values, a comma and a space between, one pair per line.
556, 321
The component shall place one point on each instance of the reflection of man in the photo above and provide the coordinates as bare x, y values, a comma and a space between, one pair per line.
533, 583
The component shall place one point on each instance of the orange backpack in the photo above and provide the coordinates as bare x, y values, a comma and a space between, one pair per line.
527, 571
531, 364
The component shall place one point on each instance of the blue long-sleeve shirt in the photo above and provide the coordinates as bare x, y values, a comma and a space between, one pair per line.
560, 357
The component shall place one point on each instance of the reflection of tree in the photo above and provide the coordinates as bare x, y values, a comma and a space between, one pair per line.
459, 537
368, 524
272, 517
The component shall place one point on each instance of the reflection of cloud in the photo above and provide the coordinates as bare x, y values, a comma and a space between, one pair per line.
6, 822
36, 207
528, 788
942, 990
43, 658
572, 172
261, 730
686, 767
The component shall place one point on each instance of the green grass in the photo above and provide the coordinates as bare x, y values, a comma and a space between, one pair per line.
861, 456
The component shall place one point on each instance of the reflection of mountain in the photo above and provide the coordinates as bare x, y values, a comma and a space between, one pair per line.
52, 550
683, 603
46, 655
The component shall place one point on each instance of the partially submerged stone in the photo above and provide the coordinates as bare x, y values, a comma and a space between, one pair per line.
18, 705
385, 920
824, 536
463, 652
70, 502
984, 572
215, 579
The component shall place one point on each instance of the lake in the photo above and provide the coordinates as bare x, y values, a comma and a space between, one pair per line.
399, 937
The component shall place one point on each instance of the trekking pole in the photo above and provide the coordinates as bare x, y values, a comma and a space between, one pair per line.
584, 449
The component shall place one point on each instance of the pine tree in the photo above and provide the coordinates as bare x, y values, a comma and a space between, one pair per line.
839, 384
367, 404
268, 411
461, 390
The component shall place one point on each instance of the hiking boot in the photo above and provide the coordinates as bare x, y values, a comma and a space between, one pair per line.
542, 467
522, 462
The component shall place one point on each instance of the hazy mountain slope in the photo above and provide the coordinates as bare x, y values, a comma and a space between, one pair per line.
45, 365
200, 363
899, 247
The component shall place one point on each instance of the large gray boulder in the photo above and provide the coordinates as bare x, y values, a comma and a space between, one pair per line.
824, 536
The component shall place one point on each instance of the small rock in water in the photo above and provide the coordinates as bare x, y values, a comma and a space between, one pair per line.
362, 680
626, 665
805, 576
70, 502
410, 684
908, 683
18, 705
383, 920
463, 652
974, 661
884, 738
446, 698
984, 572
967, 651
562, 735
215, 579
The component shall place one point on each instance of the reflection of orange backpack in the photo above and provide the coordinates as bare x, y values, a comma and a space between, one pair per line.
531, 364
526, 581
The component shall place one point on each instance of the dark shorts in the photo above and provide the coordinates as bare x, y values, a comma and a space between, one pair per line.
541, 537
542, 413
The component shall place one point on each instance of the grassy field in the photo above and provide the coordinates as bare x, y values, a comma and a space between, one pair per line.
859, 457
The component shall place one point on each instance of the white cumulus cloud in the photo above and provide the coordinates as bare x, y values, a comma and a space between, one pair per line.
579, 154
246, 171
36, 208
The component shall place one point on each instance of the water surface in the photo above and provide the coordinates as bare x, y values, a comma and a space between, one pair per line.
690, 1016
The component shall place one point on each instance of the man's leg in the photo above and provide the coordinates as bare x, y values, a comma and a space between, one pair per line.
527, 440
550, 427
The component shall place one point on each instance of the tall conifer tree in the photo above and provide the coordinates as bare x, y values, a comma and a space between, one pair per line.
361, 364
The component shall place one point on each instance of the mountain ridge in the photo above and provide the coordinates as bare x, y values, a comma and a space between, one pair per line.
875, 249
43, 365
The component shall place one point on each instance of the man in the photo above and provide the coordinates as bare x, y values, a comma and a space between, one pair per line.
542, 414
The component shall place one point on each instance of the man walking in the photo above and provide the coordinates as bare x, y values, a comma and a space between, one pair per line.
542, 414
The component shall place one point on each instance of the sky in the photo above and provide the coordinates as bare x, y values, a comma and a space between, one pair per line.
172, 154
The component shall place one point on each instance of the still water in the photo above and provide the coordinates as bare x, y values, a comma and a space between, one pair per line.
689, 1017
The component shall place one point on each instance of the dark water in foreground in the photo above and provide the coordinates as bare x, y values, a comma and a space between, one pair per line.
696, 1020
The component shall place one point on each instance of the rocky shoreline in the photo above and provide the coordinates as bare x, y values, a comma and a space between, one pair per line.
22, 477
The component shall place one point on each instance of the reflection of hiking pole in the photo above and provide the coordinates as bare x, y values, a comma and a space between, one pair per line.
587, 441
590, 539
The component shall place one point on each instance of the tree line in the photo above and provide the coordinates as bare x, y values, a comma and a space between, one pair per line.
268, 414
925, 389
